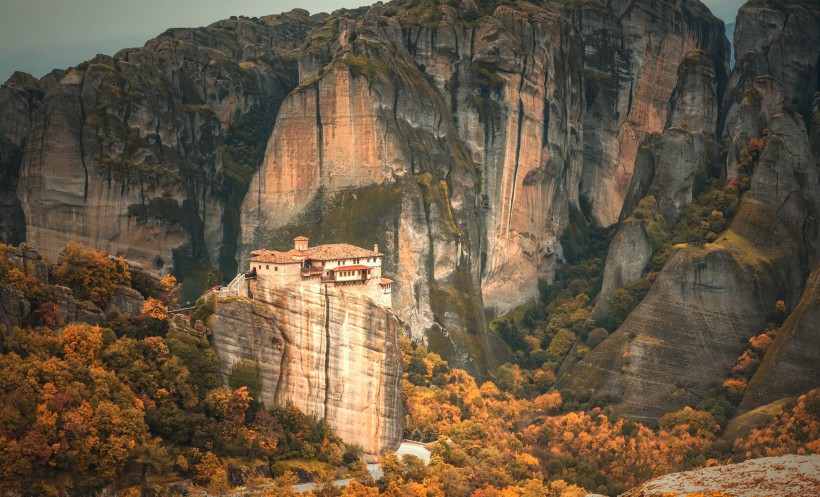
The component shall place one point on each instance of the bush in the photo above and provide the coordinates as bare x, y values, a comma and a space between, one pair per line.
246, 373
596, 336
204, 309
90, 273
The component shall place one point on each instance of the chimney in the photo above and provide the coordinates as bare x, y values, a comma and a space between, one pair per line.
376, 248
300, 243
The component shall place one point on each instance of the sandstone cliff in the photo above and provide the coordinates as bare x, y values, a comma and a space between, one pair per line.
147, 154
461, 136
790, 365
466, 134
685, 334
332, 353
666, 168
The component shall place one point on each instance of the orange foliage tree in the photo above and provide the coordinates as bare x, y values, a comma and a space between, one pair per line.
794, 431
90, 273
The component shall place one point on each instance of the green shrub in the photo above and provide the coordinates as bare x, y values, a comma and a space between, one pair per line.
246, 373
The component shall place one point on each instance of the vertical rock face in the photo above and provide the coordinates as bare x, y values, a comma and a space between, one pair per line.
458, 135
790, 365
684, 336
147, 153
19, 98
779, 42
692, 324
333, 354
557, 129
481, 127
635, 50
665, 169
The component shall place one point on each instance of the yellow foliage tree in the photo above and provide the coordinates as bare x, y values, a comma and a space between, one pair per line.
81, 342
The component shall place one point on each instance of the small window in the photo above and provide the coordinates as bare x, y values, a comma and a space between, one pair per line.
267, 266
276, 268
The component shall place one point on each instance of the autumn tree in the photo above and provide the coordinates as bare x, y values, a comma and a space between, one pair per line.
81, 342
796, 430
170, 290
90, 273
66, 424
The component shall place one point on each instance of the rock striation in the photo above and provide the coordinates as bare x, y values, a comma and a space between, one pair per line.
684, 336
333, 354
467, 133
146, 154
666, 168
790, 365
785, 476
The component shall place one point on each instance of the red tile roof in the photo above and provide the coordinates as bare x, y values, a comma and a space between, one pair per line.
351, 268
327, 252
272, 256
336, 251
385, 281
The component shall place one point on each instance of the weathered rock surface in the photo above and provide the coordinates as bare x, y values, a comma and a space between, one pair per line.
28, 260
370, 145
690, 327
779, 40
790, 366
13, 306
784, 476
332, 353
741, 424
126, 300
407, 110
685, 334
666, 168
458, 136
627, 259
147, 154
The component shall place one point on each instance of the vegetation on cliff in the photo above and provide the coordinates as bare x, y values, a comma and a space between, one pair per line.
135, 402
131, 401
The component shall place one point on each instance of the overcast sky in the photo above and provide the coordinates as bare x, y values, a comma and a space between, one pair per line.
39, 35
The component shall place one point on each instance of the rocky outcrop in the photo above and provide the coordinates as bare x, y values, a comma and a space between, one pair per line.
19, 98
784, 476
466, 135
126, 300
685, 334
332, 353
790, 365
642, 98
627, 260
778, 40
13, 307
667, 167
707, 301
691, 326
28, 260
365, 153
147, 154
457, 135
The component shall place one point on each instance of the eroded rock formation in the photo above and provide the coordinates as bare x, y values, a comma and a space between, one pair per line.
790, 365
333, 354
146, 154
467, 134
686, 333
